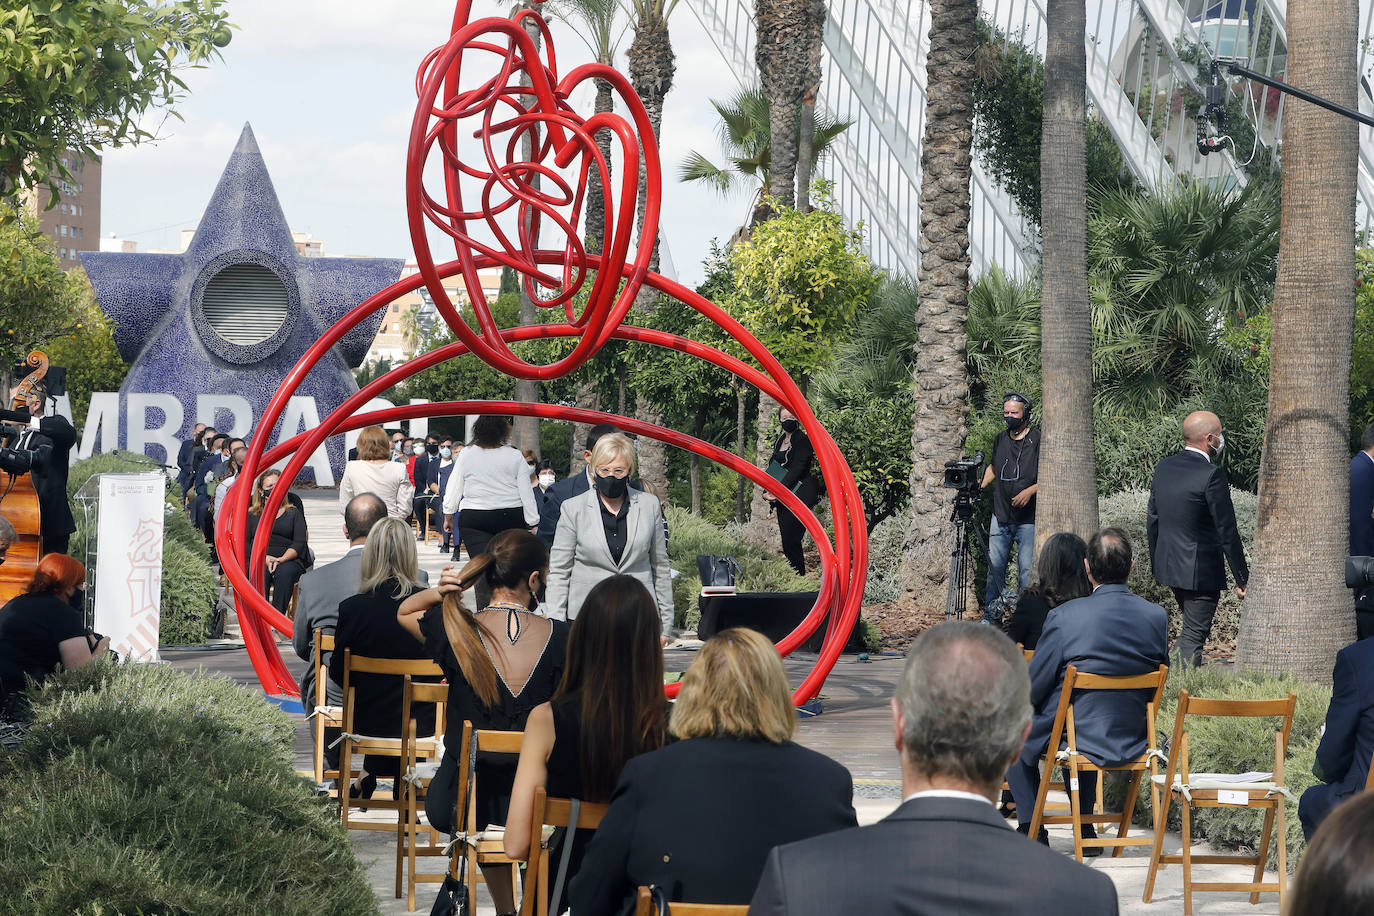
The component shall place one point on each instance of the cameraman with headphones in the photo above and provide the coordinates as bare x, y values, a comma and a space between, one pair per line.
1015, 469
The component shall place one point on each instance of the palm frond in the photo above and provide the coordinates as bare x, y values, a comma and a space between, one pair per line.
697, 167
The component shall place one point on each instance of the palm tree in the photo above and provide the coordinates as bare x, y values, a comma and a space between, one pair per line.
745, 132
941, 378
1067, 498
651, 68
1297, 612
788, 56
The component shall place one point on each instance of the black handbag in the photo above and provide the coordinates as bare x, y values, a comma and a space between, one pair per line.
717, 572
452, 899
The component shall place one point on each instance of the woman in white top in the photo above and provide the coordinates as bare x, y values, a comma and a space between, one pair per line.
374, 472
489, 490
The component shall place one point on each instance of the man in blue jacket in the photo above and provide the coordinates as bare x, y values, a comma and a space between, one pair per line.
1362, 525
1347, 745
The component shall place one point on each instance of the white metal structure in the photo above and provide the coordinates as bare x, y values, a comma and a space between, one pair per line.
1143, 65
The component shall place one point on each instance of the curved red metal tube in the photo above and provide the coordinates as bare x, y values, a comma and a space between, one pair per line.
533, 193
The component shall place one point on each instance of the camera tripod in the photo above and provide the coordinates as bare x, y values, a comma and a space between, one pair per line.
966, 534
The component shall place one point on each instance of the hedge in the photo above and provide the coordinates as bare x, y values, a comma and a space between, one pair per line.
143, 789
189, 590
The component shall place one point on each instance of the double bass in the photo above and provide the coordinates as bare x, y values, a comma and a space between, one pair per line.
19, 502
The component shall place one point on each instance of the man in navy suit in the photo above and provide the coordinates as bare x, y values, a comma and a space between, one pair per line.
1113, 633
1362, 525
1191, 525
959, 716
1347, 745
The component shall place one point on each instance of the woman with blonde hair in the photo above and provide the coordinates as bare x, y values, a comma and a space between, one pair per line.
751, 788
374, 472
288, 556
367, 625
500, 663
608, 530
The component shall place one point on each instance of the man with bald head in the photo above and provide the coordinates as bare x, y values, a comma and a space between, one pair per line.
1192, 531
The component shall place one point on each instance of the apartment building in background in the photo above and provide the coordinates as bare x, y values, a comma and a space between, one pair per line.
73, 223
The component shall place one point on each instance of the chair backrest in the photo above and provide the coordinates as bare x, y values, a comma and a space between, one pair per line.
553, 812
1200, 706
1076, 682
487, 741
324, 642
416, 693
644, 906
366, 664
1028, 653
1369, 780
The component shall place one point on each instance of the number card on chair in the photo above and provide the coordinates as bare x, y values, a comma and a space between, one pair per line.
128, 565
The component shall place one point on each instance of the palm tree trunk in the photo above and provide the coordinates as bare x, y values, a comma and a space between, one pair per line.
587, 398
806, 150
527, 390
1297, 612
596, 194
941, 375
694, 464
761, 528
1067, 498
741, 399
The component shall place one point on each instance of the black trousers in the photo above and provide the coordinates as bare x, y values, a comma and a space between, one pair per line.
478, 527
1198, 610
55, 543
426, 509
283, 582
791, 531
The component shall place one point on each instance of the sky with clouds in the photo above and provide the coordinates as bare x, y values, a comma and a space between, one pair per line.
329, 88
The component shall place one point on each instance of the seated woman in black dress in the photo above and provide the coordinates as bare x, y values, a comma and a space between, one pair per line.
500, 663
367, 625
40, 629
286, 550
610, 707
699, 817
1059, 576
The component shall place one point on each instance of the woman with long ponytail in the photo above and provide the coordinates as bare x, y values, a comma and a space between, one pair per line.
500, 662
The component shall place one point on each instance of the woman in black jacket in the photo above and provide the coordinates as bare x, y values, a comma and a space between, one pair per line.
791, 464
287, 554
749, 787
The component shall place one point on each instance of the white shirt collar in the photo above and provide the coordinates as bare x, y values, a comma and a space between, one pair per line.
1189, 448
948, 793
355, 547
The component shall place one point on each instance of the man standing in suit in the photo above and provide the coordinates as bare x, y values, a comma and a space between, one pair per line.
1191, 526
959, 718
1347, 745
50, 440
184, 468
426, 484
1362, 526
1113, 633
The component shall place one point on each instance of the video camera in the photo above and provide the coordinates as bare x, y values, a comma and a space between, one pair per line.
964, 473
1359, 572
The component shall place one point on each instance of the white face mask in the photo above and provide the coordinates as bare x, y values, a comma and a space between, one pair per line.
546, 480
418, 449
1221, 443
446, 452
530, 467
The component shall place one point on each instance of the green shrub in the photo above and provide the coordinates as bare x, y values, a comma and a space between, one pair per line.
1127, 510
1235, 745
142, 789
760, 570
189, 588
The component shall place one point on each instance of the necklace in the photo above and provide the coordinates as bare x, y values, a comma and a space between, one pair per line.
515, 624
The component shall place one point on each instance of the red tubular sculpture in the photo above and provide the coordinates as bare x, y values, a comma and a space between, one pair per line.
534, 156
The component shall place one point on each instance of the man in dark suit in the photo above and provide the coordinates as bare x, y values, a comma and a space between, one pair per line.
50, 440
1191, 526
1362, 526
959, 718
184, 469
1347, 745
426, 483
1113, 633
554, 497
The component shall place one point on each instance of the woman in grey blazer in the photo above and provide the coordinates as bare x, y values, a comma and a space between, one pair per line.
607, 530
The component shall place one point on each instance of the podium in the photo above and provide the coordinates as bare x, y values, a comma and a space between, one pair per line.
774, 614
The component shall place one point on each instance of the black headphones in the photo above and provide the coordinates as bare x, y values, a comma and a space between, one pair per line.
1018, 396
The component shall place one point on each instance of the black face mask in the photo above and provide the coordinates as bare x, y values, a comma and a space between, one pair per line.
789, 426
611, 487
432, 448
1014, 423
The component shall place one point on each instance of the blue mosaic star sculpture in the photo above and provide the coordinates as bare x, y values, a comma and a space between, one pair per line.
169, 316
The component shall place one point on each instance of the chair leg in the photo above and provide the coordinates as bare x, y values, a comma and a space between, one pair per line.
1186, 811
1127, 808
1038, 815
345, 781
1075, 808
473, 878
1262, 853
1159, 807
402, 817
1281, 838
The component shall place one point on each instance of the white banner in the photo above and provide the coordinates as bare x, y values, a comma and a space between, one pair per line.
128, 564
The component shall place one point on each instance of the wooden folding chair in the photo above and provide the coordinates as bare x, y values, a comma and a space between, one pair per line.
416, 775
1216, 790
325, 715
1369, 780
551, 812
1076, 763
482, 847
645, 906
354, 743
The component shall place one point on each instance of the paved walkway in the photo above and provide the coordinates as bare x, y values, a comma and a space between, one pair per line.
854, 729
